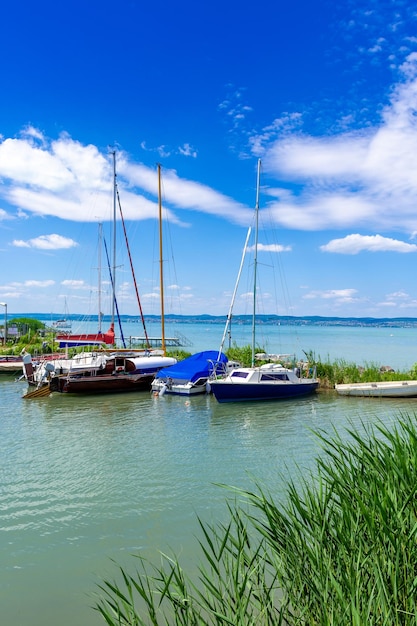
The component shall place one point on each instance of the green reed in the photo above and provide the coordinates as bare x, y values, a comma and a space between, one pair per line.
341, 550
342, 371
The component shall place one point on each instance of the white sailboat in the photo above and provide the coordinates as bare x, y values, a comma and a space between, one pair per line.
63, 324
271, 381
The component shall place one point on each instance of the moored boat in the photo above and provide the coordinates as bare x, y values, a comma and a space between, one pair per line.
271, 381
99, 338
96, 372
10, 364
383, 389
62, 324
190, 376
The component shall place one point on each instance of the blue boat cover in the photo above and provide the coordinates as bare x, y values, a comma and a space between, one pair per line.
197, 366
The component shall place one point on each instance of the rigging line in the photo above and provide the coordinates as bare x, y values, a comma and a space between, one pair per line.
114, 296
229, 315
133, 272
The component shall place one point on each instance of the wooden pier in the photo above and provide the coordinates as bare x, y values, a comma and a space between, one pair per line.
156, 342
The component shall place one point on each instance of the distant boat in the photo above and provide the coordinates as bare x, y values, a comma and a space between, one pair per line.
189, 376
271, 381
66, 340
62, 324
387, 389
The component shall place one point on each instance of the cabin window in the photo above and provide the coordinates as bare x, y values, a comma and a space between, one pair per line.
239, 375
273, 377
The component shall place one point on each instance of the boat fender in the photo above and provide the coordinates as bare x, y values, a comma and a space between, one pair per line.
28, 369
163, 390
208, 387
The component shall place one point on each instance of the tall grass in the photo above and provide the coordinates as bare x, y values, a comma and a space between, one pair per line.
342, 371
341, 550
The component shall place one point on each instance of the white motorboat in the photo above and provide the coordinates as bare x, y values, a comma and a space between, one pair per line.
386, 389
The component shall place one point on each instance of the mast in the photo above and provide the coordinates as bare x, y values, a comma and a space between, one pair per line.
161, 269
114, 237
100, 243
255, 268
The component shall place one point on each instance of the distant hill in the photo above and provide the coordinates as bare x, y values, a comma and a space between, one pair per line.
285, 320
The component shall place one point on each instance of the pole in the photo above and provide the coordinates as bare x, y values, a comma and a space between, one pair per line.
255, 270
161, 263
114, 237
5, 321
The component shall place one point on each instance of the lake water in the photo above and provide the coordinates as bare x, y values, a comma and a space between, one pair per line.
394, 346
85, 480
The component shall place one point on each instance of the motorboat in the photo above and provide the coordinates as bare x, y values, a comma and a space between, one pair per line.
383, 389
191, 375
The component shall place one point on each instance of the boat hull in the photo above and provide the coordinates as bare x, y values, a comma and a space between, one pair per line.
225, 391
189, 377
391, 389
178, 389
115, 383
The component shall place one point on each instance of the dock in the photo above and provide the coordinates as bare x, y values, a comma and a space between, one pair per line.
11, 364
156, 342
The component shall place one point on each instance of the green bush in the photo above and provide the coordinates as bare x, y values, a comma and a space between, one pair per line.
341, 550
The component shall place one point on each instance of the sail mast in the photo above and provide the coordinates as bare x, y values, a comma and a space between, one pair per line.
161, 269
255, 269
100, 243
114, 238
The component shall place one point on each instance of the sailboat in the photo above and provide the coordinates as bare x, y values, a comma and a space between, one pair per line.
99, 371
271, 381
190, 376
63, 324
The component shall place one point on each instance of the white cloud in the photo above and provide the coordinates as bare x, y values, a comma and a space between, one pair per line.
180, 193
272, 247
187, 150
363, 177
353, 244
74, 284
68, 180
4, 215
39, 283
46, 242
339, 295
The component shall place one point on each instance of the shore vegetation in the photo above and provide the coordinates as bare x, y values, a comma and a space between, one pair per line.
339, 548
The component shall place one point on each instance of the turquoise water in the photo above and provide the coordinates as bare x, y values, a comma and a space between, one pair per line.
359, 344
87, 480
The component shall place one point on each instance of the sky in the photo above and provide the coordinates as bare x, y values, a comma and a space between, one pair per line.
324, 94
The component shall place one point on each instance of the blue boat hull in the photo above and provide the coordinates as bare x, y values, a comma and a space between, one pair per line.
257, 392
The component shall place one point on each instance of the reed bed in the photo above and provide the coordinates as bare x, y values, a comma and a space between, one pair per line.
341, 550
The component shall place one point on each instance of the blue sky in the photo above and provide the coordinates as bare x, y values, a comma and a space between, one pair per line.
325, 95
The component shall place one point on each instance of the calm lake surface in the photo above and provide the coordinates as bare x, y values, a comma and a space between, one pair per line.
84, 480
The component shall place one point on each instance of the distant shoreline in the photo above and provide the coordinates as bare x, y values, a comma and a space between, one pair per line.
285, 320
